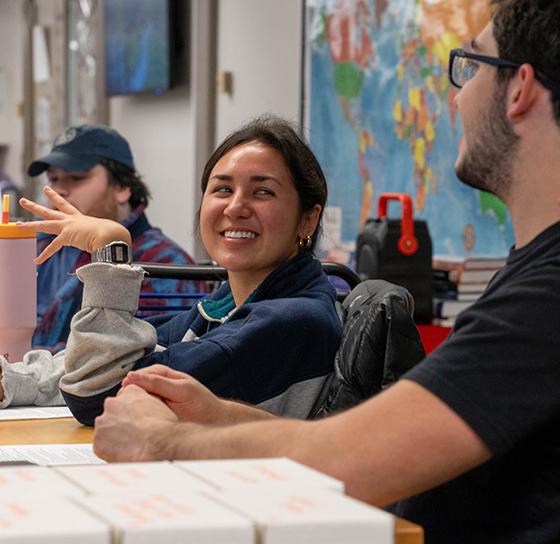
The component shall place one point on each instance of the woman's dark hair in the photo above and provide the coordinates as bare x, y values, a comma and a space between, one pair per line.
529, 31
124, 176
279, 134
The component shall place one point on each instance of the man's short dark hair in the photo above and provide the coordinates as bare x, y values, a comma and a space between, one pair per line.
529, 31
124, 176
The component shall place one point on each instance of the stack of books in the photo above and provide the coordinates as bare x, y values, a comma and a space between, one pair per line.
460, 281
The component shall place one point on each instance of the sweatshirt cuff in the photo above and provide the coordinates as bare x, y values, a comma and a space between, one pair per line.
114, 287
20, 388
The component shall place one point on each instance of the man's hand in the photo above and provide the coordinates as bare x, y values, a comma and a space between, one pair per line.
135, 426
71, 227
189, 399
186, 397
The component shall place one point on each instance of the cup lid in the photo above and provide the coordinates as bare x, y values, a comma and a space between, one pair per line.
9, 230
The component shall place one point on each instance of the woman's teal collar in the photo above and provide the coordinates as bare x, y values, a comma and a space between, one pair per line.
222, 308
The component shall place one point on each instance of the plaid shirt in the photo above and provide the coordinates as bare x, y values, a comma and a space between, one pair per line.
59, 291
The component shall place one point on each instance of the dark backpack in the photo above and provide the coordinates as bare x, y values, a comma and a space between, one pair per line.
379, 343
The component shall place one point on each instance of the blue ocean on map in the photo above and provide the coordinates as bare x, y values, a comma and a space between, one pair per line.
461, 220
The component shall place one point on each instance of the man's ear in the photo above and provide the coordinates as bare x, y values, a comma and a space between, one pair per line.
524, 91
122, 194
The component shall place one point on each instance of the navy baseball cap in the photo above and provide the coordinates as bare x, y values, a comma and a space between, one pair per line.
80, 148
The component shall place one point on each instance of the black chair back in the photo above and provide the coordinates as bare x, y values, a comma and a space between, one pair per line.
209, 272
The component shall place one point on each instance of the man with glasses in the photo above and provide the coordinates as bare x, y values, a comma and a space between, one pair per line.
468, 441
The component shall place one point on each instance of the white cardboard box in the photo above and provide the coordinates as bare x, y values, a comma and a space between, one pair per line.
315, 516
123, 477
55, 520
170, 518
270, 501
34, 481
235, 473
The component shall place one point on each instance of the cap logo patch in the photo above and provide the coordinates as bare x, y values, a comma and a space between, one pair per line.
67, 136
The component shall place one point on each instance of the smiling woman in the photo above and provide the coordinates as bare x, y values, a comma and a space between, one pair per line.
268, 336
250, 218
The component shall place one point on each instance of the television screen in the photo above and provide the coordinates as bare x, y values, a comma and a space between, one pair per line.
137, 42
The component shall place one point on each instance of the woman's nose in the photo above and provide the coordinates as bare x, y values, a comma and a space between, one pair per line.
238, 206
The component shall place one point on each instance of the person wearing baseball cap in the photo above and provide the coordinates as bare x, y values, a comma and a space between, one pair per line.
80, 148
92, 167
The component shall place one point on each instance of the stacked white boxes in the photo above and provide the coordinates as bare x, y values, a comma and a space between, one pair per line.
236, 473
169, 518
40, 521
256, 501
127, 478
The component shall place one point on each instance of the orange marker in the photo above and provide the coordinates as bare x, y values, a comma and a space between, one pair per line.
5, 208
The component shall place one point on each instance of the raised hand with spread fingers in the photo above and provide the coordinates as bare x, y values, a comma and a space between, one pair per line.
71, 226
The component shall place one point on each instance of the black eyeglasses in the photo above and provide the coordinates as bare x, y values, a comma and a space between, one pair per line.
462, 69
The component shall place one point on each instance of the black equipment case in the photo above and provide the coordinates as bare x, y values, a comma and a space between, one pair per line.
399, 251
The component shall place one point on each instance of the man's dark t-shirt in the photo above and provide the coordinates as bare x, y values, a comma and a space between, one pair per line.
500, 371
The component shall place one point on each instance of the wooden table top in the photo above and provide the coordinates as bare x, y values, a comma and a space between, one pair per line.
67, 430
62, 430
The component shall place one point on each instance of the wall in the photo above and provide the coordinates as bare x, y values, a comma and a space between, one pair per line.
11, 85
158, 130
259, 42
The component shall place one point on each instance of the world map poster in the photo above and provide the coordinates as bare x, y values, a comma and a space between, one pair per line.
380, 114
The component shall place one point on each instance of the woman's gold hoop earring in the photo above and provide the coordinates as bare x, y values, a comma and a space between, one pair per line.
305, 243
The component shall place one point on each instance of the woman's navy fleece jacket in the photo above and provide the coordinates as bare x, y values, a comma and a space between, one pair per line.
274, 351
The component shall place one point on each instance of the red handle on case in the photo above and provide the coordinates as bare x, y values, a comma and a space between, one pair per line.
407, 244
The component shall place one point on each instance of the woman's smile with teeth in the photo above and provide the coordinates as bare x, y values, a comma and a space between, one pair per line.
239, 234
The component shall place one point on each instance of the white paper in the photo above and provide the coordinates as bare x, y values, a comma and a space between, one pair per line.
34, 412
43, 120
332, 228
51, 454
41, 64
3, 97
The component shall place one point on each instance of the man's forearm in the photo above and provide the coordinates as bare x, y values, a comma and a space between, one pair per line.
239, 412
275, 437
380, 453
